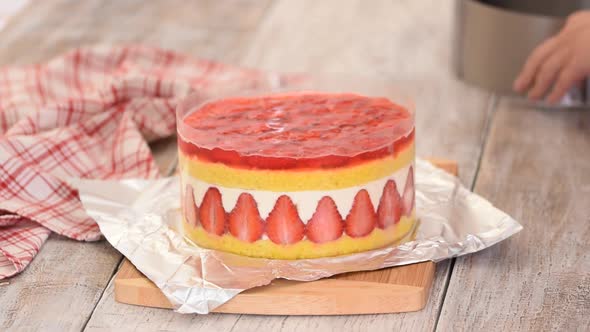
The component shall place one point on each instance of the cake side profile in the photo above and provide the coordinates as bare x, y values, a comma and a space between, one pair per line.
299, 175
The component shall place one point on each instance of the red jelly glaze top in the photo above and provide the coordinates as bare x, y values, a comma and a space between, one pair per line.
296, 131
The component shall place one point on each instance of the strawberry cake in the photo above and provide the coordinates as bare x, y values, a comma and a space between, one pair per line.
297, 175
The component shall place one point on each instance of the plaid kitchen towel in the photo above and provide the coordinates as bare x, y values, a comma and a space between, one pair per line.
86, 114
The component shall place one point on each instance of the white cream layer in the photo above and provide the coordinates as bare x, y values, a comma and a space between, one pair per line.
306, 201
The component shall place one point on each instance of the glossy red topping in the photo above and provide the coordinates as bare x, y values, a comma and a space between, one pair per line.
296, 130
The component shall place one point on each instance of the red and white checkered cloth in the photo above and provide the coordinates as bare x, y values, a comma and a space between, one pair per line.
86, 114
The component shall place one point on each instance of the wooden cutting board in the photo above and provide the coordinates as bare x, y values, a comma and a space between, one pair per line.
398, 289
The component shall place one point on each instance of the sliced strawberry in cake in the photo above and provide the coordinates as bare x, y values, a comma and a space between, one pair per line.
244, 220
190, 209
212, 214
361, 219
283, 225
390, 206
409, 193
326, 223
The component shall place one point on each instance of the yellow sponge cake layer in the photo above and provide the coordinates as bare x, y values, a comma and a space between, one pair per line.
296, 180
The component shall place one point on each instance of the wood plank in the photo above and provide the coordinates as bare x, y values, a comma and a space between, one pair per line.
207, 28
401, 39
63, 282
399, 289
47, 295
535, 167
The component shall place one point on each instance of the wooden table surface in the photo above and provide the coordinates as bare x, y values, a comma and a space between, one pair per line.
531, 163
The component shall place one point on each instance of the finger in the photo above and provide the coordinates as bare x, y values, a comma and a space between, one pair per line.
566, 79
547, 73
576, 20
526, 76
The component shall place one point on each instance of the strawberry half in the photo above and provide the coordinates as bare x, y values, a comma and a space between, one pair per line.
212, 214
190, 209
283, 225
409, 193
244, 220
390, 206
326, 223
361, 219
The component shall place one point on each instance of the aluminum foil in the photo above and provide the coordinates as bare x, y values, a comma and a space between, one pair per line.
140, 218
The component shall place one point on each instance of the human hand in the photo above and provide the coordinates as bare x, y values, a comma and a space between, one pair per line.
562, 60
